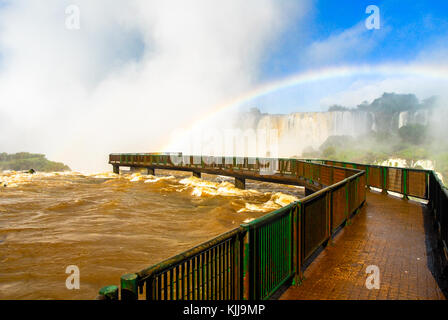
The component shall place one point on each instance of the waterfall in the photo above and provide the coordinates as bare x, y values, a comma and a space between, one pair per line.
300, 130
416, 117
297, 131
403, 119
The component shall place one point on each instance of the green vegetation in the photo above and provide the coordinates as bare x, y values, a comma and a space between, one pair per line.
413, 133
25, 161
337, 107
411, 144
390, 103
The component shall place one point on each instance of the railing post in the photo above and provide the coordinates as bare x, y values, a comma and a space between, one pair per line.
384, 171
331, 215
296, 243
430, 191
311, 173
347, 206
108, 293
299, 242
328, 213
246, 265
129, 287
367, 176
237, 270
332, 175
405, 184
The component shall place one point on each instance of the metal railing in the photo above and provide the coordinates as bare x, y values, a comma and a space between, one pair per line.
268, 256
438, 203
208, 271
410, 182
406, 181
255, 259
321, 175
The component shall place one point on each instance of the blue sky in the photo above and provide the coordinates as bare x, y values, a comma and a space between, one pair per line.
407, 28
409, 31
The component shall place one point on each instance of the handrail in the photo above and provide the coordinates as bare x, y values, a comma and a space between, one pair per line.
253, 260
383, 174
146, 273
269, 216
262, 258
364, 164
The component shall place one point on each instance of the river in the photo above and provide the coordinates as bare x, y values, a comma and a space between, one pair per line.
109, 224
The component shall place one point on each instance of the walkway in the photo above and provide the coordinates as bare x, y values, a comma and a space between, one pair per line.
387, 232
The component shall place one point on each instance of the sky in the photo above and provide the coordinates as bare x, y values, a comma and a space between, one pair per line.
121, 76
407, 28
333, 33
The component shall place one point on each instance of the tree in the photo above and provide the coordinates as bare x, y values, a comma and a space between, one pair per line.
337, 107
27, 161
413, 133
391, 103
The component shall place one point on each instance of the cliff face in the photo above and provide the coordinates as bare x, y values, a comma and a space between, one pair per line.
297, 131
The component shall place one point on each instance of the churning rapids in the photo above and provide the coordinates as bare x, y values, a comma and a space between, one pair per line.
108, 225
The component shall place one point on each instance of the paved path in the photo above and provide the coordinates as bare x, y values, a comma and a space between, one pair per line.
387, 232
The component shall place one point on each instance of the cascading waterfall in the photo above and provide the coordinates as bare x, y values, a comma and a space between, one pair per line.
298, 131
301, 130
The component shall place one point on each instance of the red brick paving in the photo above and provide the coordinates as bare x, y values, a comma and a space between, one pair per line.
387, 232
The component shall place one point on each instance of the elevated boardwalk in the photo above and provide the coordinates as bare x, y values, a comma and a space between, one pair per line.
322, 246
387, 232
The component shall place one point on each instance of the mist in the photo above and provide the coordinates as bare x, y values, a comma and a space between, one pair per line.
131, 74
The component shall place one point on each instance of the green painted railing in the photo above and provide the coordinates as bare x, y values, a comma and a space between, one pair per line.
255, 259
410, 182
438, 202
208, 271
406, 181
269, 252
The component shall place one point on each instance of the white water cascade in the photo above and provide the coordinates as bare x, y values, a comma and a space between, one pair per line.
297, 131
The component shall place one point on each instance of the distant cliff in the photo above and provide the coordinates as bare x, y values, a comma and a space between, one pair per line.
300, 131
25, 161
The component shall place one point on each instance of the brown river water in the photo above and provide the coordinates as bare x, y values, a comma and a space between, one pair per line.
108, 225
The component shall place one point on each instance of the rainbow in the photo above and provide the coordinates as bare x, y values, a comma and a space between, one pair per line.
388, 70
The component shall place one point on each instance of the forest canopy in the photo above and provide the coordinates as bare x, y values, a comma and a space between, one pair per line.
391, 103
26, 161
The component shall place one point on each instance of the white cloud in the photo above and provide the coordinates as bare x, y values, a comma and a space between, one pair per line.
343, 46
133, 72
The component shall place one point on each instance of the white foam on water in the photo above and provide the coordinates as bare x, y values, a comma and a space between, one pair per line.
276, 201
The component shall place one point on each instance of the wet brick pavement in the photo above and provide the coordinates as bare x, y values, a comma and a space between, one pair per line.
389, 233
